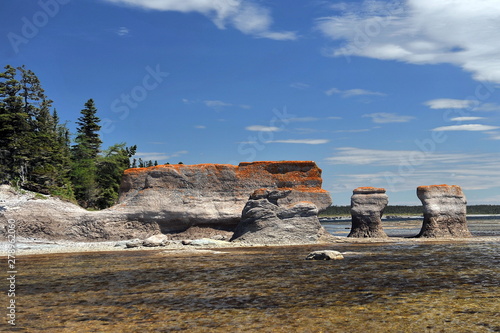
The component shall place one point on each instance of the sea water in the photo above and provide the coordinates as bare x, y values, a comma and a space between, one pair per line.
379, 287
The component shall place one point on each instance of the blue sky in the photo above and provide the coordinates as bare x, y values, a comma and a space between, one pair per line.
392, 94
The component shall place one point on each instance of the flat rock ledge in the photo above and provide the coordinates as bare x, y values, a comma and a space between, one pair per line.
367, 208
445, 209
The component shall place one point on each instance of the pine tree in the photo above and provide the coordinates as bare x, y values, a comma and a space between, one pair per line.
14, 130
84, 156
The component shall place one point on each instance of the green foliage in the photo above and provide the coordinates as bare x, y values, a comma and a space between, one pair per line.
36, 152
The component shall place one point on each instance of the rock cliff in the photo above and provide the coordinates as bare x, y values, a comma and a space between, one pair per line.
167, 198
367, 207
269, 218
179, 196
444, 211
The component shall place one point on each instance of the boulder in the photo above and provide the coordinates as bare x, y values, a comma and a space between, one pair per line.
367, 207
156, 240
180, 196
269, 218
133, 243
445, 209
325, 255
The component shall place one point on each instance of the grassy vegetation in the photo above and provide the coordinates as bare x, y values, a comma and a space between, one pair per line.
411, 210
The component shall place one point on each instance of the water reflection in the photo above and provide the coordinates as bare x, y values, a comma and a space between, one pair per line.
376, 288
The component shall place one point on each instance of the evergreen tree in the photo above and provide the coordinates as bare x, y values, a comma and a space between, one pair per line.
110, 167
84, 156
14, 129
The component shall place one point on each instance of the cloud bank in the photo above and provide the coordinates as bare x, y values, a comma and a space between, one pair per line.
248, 17
459, 32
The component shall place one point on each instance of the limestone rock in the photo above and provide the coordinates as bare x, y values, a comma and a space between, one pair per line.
180, 196
367, 207
156, 240
325, 255
164, 199
133, 243
445, 209
269, 218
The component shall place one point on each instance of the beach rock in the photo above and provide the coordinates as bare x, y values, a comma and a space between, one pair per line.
324, 255
269, 218
156, 240
133, 243
367, 207
445, 209
180, 196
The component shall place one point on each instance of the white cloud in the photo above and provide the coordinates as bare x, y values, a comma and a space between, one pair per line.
158, 156
122, 31
200, 127
459, 119
216, 104
466, 127
353, 92
383, 118
259, 128
421, 32
248, 17
303, 141
448, 103
487, 107
376, 157
299, 85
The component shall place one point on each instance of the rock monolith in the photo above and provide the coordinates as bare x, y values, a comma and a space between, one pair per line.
445, 209
367, 207
179, 196
268, 218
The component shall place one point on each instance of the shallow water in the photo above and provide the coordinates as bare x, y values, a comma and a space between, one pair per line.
403, 287
409, 227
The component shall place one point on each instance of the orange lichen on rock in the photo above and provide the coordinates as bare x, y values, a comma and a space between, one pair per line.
369, 190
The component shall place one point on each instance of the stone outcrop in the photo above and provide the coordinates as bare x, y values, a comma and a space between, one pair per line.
200, 199
445, 208
367, 207
269, 218
179, 196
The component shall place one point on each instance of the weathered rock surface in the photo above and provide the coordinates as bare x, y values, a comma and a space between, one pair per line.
367, 208
325, 255
179, 196
203, 200
445, 208
156, 240
269, 218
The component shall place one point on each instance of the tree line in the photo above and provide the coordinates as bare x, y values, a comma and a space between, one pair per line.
37, 152
412, 210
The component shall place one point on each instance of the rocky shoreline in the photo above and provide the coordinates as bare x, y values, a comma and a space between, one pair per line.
29, 247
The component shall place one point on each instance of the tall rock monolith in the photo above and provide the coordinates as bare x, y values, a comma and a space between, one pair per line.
445, 209
367, 207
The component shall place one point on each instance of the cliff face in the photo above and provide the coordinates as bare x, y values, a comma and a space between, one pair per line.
179, 196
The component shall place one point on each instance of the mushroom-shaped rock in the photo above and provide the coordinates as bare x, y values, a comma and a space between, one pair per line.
445, 208
268, 218
325, 255
367, 207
